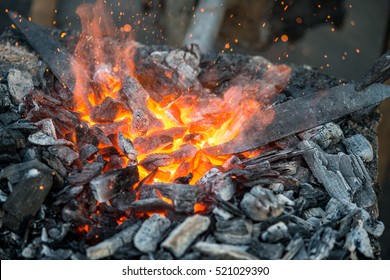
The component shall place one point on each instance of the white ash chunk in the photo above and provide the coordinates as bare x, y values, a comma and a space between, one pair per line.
275, 232
224, 251
182, 237
150, 233
33, 173
359, 145
260, 204
20, 83
323, 135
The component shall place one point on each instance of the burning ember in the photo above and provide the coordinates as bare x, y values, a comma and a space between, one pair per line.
170, 124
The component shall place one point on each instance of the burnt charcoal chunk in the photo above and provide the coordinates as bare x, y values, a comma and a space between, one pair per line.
88, 151
150, 205
9, 117
108, 185
42, 139
65, 154
150, 233
260, 204
11, 141
5, 100
223, 251
20, 83
266, 251
89, 171
107, 111
27, 195
123, 200
183, 235
322, 243
235, 231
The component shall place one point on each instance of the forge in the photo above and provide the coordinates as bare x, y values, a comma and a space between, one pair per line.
114, 149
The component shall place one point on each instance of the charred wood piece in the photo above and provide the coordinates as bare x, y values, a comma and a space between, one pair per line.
150, 205
183, 197
359, 145
27, 195
260, 204
185, 234
323, 135
127, 147
235, 231
65, 154
42, 139
322, 243
89, 171
106, 186
109, 246
150, 233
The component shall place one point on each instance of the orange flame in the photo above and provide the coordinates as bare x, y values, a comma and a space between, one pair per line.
101, 64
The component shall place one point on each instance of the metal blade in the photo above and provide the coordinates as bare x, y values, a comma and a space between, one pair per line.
301, 114
51, 51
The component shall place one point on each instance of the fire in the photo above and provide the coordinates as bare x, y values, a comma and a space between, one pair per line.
186, 125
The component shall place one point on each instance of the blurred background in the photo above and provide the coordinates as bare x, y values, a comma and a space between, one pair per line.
342, 38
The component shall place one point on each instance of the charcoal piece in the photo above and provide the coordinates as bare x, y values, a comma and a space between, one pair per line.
185, 151
314, 196
364, 197
47, 127
183, 235
157, 140
27, 196
42, 139
89, 171
20, 83
313, 212
284, 200
323, 135
358, 239
150, 205
374, 228
183, 197
360, 146
235, 231
150, 233
276, 232
10, 141
127, 148
333, 181
54, 162
260, 204
223, 251
13, 172
277, 188
5, 100
336, 209
153, 161
59, 254
107, 111
109, 184
116, 162
59, 231
185, 180
230, 208
122, 201
231, 162
9, 117
223, 186
101, 137
314, 222
293, 247
75, 216
67, 155
266, 251
135, 97
109, 246
221, 214
88, 151
322, 243
24, 126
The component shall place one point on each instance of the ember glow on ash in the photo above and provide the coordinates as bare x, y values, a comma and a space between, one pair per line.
168, 134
